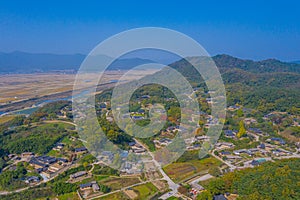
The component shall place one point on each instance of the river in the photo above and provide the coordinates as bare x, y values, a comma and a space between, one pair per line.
30, 110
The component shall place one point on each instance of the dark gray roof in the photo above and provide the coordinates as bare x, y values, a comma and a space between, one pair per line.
86, 185
131, 143
225, 152
62, 159
80, 149
46, 159
229, 133
32, 178
78, 174
278, 140
262, 146
255, 163
255, 130
219, 197
36, 162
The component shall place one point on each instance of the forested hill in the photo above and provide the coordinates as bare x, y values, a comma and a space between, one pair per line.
269, 65
266, 85
262, 73
226, 62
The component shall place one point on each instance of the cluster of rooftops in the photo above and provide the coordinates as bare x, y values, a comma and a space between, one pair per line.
45, 161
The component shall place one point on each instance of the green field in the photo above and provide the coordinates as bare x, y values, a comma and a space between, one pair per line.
69, 196
115, 196
99, 178
173, 198
116, 183
145, 191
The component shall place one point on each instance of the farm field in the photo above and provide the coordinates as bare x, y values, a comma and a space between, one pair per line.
179, 171
114, 196
145, 191
69, 196
5, 119
19, 87
118, 183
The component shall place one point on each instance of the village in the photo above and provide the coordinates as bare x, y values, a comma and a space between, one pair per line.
234, 154
245, 142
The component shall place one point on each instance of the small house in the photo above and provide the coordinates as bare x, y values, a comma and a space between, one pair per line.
78, 174
81, 150
229, 133
32, 179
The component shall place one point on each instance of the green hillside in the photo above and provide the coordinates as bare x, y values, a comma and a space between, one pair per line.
267, 85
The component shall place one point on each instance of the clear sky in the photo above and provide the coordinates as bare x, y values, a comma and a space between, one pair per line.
246, 29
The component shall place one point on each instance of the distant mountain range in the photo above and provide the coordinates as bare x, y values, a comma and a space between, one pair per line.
21, 62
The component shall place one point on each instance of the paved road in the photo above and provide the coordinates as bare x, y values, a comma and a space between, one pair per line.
15, 191
254, 135
291, 156
59, 121
202, 178
173, 186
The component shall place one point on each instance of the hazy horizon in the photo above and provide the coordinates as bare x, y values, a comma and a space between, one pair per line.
257, 30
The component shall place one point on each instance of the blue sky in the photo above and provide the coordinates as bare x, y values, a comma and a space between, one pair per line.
246, 29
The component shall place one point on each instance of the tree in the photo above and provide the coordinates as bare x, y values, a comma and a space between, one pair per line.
242, 130
205, 195
63, 188
294, 111
10, 180
216, 153
85, 165
217, 186
215, 171
271, 180
104, 188
174, 113
240, 113
2, 164
112, 135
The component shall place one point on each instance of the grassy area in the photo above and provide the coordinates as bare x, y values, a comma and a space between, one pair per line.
119, 182
6, 118
100, 177
115, 196
87, 180
54, 153
291, 133
181, 170
145, 191
173, 198
69, 196
205, 183
63, 124
66, 140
